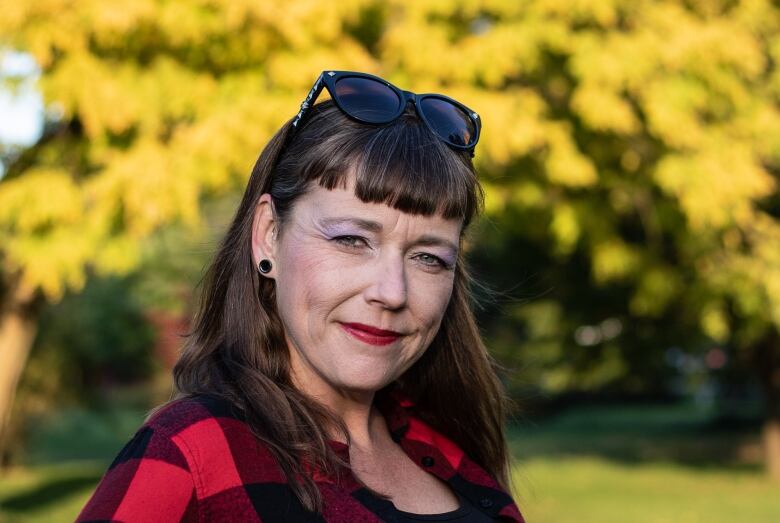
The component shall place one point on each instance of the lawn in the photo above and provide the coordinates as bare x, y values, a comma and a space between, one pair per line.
649, 464
50, 493
641, 464
595, 489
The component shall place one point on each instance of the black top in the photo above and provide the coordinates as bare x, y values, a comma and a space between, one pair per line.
465, 513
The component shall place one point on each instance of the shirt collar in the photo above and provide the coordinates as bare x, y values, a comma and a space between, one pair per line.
437, 454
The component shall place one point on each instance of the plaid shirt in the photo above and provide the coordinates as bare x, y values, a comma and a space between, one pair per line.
196, 460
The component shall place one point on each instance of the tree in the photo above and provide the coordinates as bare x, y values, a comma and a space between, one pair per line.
634, 142
644, 187
164, 106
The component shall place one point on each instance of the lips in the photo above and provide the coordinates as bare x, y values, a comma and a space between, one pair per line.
369, 334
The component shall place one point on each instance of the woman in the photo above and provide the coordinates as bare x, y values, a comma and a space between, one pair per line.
334, 371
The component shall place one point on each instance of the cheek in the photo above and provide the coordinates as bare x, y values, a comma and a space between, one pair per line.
429, 301
308, 284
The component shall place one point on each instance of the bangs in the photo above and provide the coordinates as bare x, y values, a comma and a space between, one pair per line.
401, 164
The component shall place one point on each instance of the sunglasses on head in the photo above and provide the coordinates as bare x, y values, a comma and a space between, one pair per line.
371, 100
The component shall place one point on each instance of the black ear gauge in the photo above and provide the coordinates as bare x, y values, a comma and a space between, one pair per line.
264, 266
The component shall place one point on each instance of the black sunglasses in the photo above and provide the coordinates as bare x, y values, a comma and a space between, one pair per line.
369, 99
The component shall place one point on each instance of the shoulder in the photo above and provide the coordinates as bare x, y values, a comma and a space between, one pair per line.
216, 440
188, 413
154, 476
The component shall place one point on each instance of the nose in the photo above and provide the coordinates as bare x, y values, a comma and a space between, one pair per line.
388, 287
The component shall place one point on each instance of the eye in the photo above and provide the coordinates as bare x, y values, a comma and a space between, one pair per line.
432, 261
351, 241
354, 242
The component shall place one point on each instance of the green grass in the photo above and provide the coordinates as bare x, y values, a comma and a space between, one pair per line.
595, 489
640, 464
650, 464
47, 493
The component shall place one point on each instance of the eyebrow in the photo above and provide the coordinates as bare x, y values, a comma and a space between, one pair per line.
376, 227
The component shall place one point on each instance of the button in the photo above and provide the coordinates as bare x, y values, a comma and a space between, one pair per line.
486, 502
428, 461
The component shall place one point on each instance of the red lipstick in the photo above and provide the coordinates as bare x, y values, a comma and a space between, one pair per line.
371, 335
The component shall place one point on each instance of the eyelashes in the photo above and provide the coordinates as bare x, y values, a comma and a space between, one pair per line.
356, 243
350, 241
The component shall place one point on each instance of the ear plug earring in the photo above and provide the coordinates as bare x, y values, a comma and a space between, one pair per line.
264, 266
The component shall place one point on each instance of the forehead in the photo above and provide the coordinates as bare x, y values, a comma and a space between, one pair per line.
329, 205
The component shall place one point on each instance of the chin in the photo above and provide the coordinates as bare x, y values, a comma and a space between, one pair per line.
365, 382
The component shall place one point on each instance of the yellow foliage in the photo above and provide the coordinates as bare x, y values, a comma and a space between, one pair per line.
113, 20
495, 198
620, 61
603, 110
41, 27
308, 24
602, 12
566, 165
614, 260
715, 323
296, 73
716, 187
43, 197
512, 124
701, 47
147, 191
51, 261
119, 254
529, 194
658, 285
672, 105
565, 229
601, 98
752, 277
113, 98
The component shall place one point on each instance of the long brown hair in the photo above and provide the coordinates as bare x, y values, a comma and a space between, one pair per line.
236, 348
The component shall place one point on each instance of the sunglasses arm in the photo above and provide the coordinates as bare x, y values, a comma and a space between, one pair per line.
315, 91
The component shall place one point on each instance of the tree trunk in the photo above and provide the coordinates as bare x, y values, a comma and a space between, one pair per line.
18, 325
768, 364
771, 437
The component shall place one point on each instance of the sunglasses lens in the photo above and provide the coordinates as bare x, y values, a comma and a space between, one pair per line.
367, 100
449, 121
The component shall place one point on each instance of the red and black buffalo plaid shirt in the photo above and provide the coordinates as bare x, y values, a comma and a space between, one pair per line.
196, 460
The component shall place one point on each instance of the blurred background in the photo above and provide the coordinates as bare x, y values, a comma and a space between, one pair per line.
629, 254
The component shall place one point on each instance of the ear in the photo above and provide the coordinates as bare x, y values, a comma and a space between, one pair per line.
264, 227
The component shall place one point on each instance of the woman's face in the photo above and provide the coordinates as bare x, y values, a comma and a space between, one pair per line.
361, 287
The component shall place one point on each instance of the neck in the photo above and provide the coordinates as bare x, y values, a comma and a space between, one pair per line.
364, 422
360, 417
